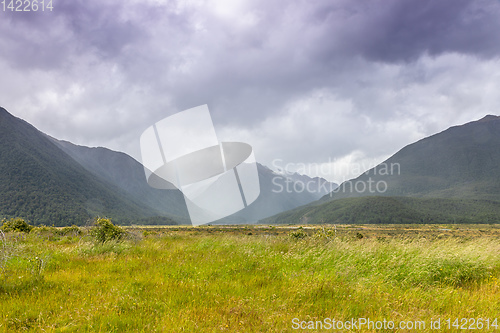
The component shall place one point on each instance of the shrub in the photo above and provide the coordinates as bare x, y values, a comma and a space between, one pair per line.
104, 230
299, 234
73, 230
16, 224
325, 233
43, 229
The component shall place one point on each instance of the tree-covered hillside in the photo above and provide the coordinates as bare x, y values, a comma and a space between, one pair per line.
41, 183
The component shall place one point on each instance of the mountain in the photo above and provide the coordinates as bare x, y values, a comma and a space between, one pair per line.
388, 210
127, 174
53, 182
460, 162
317, 185
277, 191
41, 183
450, 176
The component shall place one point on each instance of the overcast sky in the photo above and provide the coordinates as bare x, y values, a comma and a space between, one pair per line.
347, 82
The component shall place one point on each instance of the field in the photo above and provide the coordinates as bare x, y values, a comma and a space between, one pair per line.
251, 279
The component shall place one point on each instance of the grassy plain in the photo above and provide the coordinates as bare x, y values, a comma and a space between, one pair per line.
248, 278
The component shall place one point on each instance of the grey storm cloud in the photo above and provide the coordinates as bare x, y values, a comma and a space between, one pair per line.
412, 28
294, 75
289, 39
49, 40
298, 46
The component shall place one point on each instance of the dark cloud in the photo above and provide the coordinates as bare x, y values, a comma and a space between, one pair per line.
299, 74
52, 39
409, 29
246, 72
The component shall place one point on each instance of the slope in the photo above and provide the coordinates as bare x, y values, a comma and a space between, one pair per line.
126, 173
41, 183
460, 162
386, 210
452, 177
279, 193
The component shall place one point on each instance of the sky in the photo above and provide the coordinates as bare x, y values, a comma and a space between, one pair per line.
324, 87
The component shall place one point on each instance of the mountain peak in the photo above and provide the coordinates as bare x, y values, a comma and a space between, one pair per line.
4, 114
3, 111
488, 118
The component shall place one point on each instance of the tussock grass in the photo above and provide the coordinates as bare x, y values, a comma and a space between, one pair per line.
185, 280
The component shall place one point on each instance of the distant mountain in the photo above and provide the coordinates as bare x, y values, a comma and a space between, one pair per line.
278, 193
49, 181
41, 183
317, 185
450, 176
126, 173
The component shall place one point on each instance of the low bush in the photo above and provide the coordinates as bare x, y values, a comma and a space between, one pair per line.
298, 234
104, 230
73, 230
16, 224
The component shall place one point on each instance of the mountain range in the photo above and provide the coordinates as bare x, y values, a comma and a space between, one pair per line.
449, 177
53, 182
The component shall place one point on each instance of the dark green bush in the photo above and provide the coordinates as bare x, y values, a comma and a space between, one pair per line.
104, 230
16, 224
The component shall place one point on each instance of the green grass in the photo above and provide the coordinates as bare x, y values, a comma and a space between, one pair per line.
247, 279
